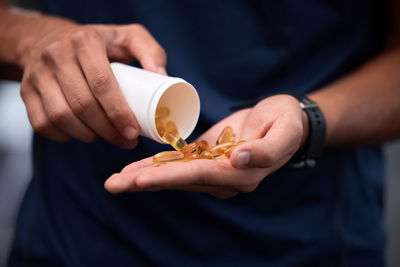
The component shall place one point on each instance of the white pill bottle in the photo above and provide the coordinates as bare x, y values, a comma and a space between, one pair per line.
145, 91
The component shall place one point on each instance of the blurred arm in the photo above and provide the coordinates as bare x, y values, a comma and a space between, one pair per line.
363, 107
18, 30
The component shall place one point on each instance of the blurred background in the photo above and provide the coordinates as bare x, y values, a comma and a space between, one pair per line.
15, 168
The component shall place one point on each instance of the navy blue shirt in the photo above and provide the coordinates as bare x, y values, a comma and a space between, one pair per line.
231, 51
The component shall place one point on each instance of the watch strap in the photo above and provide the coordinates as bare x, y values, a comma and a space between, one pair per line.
312, 148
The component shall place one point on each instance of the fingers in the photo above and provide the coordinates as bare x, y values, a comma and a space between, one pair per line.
37, 116
79, 94
103, 85
56, 107
268, 151
85, 106
141, 176
272, 137
123, 182
146, 49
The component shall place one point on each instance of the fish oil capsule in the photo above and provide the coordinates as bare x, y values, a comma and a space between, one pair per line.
167, 156
174, 140
229, 150
189, 148
162, 113
226, 135
219, 150
206, 155
202, 146
190, 156
170, 127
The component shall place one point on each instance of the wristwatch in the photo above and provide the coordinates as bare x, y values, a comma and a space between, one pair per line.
310, 152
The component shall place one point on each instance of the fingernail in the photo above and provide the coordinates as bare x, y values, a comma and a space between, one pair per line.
162, 70
130, 133
129, 144
243, 159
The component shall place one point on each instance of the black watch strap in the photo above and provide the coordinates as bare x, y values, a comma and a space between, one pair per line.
312, 149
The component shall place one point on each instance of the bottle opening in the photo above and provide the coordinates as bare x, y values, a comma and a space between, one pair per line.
183, 103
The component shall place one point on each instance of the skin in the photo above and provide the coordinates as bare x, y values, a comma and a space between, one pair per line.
361, 108
222, 177
68, 86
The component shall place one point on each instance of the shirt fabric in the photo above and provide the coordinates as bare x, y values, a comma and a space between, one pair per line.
232, 52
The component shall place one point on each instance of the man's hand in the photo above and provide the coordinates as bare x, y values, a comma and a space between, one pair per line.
274, 131
68, 86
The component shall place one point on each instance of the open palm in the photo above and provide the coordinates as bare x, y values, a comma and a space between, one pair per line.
273, 129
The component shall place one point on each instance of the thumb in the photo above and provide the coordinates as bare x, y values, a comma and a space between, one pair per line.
147, 50
281, 141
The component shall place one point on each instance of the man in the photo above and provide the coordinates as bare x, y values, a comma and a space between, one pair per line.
336, 52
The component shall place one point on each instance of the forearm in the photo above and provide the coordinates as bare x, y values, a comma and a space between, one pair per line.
363, 107
20, 30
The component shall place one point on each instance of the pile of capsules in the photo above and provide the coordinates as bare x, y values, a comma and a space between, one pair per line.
197, 150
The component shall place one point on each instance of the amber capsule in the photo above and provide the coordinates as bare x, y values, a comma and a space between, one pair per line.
202, 146
228, 151
191, 156
226, 135
190, 148
170, 127
206, 155
174, 140
219, 150
162, 113
167, 156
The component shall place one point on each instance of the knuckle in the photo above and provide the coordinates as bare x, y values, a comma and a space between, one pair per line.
33, 74
84, 36
58, 116
52, 52
81, 37
41, 126
30, 76
80, 105
99, 82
